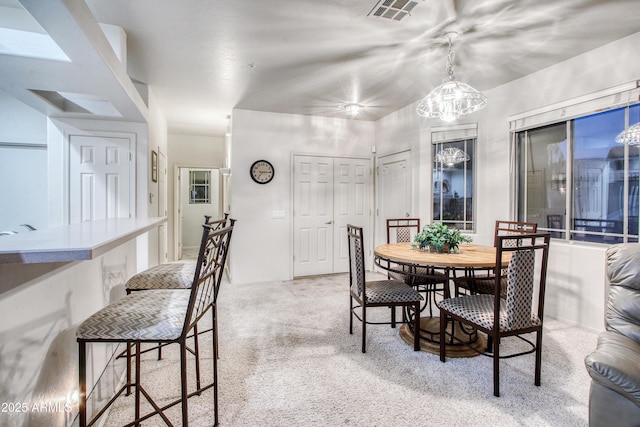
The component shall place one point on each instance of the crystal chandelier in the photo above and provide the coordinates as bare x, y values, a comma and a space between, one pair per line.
630, 135
452, 98
451, 156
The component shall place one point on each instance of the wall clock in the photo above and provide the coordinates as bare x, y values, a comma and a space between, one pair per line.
262, 171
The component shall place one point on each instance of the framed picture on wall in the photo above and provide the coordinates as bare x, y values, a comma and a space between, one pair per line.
154, 166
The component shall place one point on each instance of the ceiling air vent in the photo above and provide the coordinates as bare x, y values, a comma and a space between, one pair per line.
393, 9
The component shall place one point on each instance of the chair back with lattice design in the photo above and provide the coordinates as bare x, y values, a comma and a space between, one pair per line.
526, 279
511, 228
212, 257
218, 223
356, 261
402, 229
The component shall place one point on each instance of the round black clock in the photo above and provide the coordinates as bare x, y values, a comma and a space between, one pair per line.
261, 171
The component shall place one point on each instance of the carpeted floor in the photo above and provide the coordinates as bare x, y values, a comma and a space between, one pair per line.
287, 359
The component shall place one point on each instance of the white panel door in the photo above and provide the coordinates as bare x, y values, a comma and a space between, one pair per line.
313, 215
99, 178
329, 193
351, 205
394, 191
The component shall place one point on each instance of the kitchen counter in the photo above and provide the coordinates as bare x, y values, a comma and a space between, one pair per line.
73, 242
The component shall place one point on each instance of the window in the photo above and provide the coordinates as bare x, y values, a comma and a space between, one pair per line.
453, 183
575, 181
199, 186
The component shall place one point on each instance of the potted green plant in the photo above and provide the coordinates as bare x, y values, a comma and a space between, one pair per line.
437, 237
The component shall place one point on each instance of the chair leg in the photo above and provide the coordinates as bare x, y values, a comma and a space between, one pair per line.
393, 316
137, 384
364, 328
183, 382
128, 393
82, 376
416, 328
215, 330
215, 369
350, 314
538, 356
443, 328
496, 366
196, 353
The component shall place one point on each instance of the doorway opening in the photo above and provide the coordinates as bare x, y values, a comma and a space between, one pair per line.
197, 194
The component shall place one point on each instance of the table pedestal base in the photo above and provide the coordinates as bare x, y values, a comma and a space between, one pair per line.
457, 350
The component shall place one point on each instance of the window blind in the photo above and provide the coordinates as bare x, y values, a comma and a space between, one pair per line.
453, 133
614, 97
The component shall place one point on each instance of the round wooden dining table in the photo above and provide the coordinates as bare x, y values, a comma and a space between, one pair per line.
402, 257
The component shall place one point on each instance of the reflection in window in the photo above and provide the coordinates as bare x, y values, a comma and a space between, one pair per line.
575, 181
199, 186
543, 176
453, 183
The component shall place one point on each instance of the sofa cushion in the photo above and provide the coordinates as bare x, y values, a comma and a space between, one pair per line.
623, 304
616, 364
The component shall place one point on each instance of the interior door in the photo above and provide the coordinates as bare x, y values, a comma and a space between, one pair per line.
329, 193
313, 215
394, 191
351, 205
99, 178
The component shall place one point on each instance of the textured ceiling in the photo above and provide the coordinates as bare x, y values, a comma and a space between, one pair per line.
203, 58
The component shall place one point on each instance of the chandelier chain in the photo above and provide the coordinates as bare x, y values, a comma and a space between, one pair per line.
450, 57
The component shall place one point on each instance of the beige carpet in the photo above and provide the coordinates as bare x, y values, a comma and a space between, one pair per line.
287, 359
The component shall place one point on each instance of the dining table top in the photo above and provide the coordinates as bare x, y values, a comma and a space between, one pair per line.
468, 256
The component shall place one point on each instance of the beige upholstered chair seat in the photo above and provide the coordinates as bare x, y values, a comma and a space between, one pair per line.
171, 275
144, 316
386, 291
479, 310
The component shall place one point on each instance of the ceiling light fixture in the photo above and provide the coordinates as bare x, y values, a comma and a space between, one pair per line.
630, 136
451, 156
352, 109
452, 98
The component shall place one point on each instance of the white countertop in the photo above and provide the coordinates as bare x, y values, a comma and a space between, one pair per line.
72, 242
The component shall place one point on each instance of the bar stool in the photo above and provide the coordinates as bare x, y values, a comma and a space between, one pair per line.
171, 275
160, 316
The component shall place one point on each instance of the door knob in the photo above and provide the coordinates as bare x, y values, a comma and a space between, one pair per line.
407, 214
329, 222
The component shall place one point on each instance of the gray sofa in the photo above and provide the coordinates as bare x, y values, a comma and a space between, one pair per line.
614, 367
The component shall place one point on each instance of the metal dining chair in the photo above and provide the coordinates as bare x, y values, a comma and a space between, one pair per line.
482, 281
379, 293
519, 312
428, 280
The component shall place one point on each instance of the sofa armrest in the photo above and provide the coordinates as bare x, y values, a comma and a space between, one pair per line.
615, 364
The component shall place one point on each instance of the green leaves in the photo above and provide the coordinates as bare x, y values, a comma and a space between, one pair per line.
440, 237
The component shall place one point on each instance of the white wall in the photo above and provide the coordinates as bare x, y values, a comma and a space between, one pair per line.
189, 150
576, 277
41, 306
23, 166
262, 246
